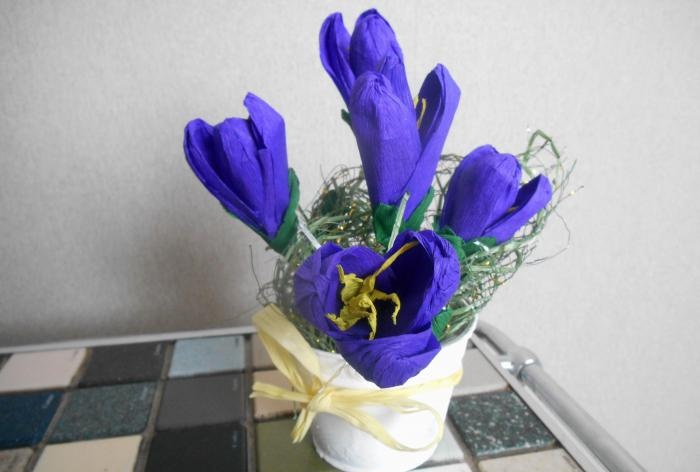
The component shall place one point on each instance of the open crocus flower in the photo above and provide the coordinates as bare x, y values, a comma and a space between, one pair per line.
345, 58
243, 163
484, 198
400, 145
379, 309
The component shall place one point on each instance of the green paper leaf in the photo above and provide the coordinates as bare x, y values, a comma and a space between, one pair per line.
464, 248
441, 321
288, 228
385, 215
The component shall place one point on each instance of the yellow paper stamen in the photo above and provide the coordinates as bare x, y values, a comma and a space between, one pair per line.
358, 296
423, 107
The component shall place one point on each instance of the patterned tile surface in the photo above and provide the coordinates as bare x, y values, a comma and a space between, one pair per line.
201, 401
101, 412
24, 417
553, 460
498, 423
40, 370
208, 356
207, 448
479, 375
124, 364
103, 455
277, 453
14, 460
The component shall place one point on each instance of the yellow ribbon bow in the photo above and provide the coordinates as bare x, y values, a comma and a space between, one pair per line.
295, 359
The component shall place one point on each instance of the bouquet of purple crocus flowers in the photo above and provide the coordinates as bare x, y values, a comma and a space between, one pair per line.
418, 268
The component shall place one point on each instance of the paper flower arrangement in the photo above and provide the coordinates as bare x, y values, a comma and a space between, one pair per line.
394, 258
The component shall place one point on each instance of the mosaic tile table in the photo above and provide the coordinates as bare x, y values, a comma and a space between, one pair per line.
182, 405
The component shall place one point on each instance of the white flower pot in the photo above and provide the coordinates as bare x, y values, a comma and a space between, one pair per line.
353, 450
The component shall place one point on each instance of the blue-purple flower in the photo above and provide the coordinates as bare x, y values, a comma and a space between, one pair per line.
243, 163
400, 146
379, 309
372, 43
485, 199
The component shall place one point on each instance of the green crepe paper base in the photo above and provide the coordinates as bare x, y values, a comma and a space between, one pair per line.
440, 322
384, 217
466, 248
346, 117
288, 228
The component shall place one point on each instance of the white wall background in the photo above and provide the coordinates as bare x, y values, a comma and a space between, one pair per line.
105, 231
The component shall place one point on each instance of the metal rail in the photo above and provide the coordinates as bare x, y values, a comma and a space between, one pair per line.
525, 368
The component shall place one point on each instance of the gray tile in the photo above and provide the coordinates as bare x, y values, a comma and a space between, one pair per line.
496, 423
200, 401
206, 448
102, 412
553, 460
479, 375
124, 364
14, 460
208, 356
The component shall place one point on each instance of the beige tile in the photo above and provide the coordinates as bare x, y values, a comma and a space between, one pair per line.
261, 360
553, 460
103, 455
266, 408
479, 375
40, 370
14, 460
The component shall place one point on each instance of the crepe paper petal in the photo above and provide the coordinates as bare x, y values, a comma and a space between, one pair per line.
424, 278
390, 361
393, 69
372, 39
334, 41
207, 160
484, 186
438, 100
424, 275
387, 138
243, 163
371, 48
317, 286
532, 197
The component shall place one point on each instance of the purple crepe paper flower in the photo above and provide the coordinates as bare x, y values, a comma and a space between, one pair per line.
423, 277
484, 197
243, 163
373, 43
400, 146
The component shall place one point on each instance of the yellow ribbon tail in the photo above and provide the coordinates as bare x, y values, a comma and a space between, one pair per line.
295, 359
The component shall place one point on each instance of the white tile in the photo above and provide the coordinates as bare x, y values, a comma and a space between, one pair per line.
40, 370
448, 468
14, 460
104, 455
553, 460
479, 375
208, 356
